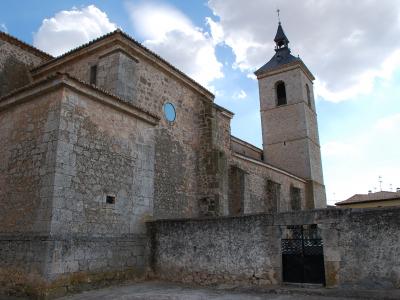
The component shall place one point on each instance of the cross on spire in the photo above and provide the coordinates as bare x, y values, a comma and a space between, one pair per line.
279, 18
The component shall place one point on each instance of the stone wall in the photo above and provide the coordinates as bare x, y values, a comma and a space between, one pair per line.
15, 63
76, 186
103, 188
246, 149
361, 248
258, 197
28, 135
187, 149
290, 131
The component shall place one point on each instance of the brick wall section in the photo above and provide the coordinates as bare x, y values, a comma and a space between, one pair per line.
361, 248
14, 66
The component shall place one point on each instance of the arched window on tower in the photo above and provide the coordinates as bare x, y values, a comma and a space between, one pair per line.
308, 95
280, 93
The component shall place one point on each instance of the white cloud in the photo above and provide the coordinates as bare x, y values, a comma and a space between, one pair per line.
217, 31
353, 165
71, 28
240, 95
171, 34
346, 44
389, 124
3, 27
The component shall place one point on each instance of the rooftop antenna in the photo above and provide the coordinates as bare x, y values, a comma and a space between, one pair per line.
380, 182
279, 18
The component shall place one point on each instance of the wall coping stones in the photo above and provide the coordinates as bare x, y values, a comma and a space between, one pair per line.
71, 237
315, 216
264, 164
224, 111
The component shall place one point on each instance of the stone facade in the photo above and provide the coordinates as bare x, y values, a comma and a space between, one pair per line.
16, 58
63, 156
290, 131
88, 156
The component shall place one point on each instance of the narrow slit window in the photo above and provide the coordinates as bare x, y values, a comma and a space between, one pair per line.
308, 95
110, 199
281, 93
93, 74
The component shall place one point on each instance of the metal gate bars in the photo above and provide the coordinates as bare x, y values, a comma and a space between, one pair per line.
302, 255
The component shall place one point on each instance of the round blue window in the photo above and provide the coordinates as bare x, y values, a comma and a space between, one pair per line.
169, 112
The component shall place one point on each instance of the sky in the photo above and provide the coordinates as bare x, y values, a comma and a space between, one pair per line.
352, 47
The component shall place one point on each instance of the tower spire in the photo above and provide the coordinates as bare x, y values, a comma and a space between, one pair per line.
280, 39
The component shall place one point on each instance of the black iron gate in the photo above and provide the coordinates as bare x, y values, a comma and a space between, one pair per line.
302, 255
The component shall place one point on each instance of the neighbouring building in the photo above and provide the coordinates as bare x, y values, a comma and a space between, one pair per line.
101, 143
377, 199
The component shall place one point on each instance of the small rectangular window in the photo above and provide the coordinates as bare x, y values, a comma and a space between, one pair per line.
110, 199
93, 74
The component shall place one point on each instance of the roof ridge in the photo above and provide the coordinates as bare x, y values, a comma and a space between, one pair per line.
127, 36
246, 142
94, 87
75, 49
9, 38
362, 198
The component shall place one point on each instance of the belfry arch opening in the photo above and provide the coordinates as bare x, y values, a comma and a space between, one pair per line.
280, 93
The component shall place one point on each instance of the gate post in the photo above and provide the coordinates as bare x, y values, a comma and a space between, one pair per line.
332, 256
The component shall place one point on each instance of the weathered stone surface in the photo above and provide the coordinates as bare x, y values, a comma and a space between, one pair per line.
170, 291
361, 248
27, 160
83, 167
62, 156
257, 199
15, 63
290, 131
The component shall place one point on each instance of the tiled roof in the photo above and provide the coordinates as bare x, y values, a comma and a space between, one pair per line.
123, 34
370, 197
281, 57
12, 40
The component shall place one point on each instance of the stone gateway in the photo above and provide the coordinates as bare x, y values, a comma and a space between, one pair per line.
105, 147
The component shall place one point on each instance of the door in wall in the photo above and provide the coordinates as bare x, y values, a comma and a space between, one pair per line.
302, 255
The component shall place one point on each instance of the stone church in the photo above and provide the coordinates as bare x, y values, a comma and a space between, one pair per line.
109, 137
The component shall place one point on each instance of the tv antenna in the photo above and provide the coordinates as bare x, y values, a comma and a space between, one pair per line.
380, 182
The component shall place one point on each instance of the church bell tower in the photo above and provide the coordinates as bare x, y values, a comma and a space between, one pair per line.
289, 120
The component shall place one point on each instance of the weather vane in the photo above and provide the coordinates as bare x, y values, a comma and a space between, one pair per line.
279, 18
